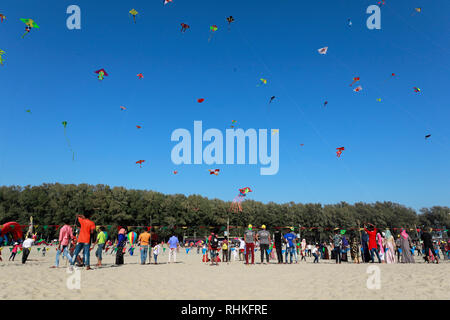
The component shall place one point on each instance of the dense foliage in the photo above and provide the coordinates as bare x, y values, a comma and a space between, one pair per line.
54, 204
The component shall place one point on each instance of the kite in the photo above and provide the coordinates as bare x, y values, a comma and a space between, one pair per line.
140, 163
382, 2
427, 136
271, 99
140, 75
325, 103
417, 90
339, 151
233, 122
301, 145
236, 204
349, 22
200, 100
356, 79
175, 172
2, 16
64, 123
275, 131
379, 99
216, 171
134, 13
357, 89
1, 57
393, 74
184, 27
212, 29
132, 237
29, 25
323, 50
230, 20
29, 111
122, 108
262, 81
101, 74
167, 1
139, 127
417, 10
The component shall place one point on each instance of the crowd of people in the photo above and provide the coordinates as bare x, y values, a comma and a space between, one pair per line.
361, 246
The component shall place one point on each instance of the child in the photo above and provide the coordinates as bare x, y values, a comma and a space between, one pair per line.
14, 251
156, 251
315, 253
205, 253
43, 251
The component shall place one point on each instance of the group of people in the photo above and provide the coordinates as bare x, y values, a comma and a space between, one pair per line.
363, 247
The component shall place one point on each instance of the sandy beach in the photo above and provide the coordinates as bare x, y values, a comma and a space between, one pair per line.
189, 278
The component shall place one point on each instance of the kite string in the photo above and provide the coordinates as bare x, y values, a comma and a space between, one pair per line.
302, 112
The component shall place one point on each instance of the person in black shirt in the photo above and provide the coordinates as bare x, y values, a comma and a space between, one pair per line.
277, 238
428, 246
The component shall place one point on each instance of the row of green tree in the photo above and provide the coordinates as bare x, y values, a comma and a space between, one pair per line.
55, 204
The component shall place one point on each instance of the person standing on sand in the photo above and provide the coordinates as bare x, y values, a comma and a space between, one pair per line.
303, 250
337, 242
156, 252
290, 238
143, 241
84, 238
278, 243
390, 247
225, 250
100, 242
174, 244
373, 247
65, 236
122, 238
214, 244
263, 236
249, 238
241, 249
27, 248
405, 242
315, 253
428, 245
14, 251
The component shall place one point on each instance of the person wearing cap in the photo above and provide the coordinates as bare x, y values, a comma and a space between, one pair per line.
263, 236
249, 238
290, 238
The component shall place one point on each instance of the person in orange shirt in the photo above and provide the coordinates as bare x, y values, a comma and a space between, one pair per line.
84, 239
144, 241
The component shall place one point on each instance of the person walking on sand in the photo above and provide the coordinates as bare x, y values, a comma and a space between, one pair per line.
174, 244
156, 252
27, 248
14, 251
303, 250
144, 241
263, 236
65, 237
405, 242
290, 238
428, 246
249, 238
100, 242
84, 239
315, 253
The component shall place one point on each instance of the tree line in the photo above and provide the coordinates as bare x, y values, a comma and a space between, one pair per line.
56, 204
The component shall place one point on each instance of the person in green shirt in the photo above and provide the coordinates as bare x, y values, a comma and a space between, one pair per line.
100, 242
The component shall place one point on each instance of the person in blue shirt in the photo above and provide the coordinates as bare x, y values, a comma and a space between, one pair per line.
120, 245
290, 238
174, 244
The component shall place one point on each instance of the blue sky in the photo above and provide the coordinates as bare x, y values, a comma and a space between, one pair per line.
386, 158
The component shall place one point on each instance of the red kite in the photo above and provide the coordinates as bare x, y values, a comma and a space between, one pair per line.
200, 100
140, 75
138, 127
140, 163
339, 151
216, 171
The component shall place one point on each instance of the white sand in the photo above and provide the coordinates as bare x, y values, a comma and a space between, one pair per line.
192, 279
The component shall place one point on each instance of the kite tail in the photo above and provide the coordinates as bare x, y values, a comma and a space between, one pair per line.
24, 34
70, 147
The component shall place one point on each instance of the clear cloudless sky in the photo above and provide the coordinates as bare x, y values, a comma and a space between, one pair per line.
387, 158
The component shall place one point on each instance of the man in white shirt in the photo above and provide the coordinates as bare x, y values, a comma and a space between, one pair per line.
26, 248
241, 249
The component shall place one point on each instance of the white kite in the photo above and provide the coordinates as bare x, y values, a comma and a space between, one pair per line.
358, 89
323, 50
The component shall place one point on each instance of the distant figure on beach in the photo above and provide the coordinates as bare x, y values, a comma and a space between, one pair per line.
84, 238
405, 245
428, 246
290, 238
65, 237
122, 238
225, 250
278, 244
214, 243
174, 244
241, 249
156, 252
337, 242
144, 241
249, 238
27, 248
373, 246
390, 247
100, 242
263, 236
315, 253
14, 251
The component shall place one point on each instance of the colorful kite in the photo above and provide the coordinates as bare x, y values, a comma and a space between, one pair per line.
139, 127
339, 151
167, 1
356, 79
175, 172
272, 98
261, 82
325, 103
200, 100
418, 10
216, 171
357, 89
101, 74
140, 75
417, 90
233, 122
230, 19
349, 22
140, 163
427, 136
236, 204
212, 30
29, 23
383, 2
275, 131
134, 13
132, 237
184, 27
323, 50
1, 57
64, 123
379, 99
122, 108
2, 16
